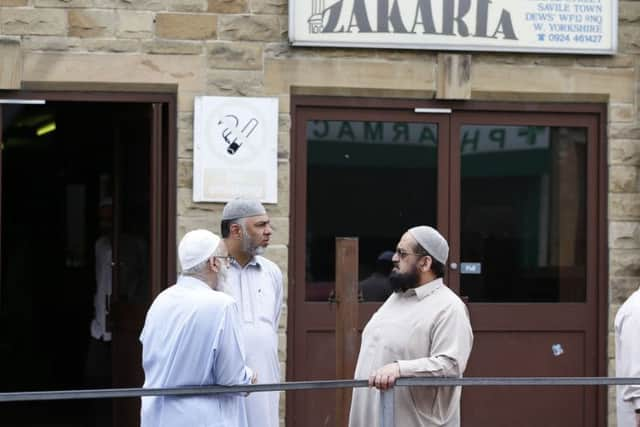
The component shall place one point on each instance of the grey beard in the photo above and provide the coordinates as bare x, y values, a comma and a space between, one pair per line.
249, 248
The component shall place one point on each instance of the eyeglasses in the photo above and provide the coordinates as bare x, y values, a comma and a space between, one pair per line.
403, 254
226, 259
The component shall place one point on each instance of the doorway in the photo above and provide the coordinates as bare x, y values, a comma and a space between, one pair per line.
77, 214
520, 193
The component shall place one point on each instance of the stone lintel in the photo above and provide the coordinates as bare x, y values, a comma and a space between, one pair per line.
454, 76
10, 64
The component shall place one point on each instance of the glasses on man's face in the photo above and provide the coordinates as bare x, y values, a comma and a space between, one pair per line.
225, 259
402, 254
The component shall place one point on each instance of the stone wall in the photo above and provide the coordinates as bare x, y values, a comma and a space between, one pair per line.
239, 48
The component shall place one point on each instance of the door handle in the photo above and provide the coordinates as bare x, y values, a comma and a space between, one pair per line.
453, 266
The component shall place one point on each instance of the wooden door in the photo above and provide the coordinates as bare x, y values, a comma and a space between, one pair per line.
521, 198
142, 258
364, 173
525, 250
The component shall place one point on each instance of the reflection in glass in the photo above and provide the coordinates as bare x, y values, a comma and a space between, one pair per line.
370, 180
523, 213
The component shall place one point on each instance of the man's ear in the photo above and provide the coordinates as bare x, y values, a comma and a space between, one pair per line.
427, 263
213, 265
235, 229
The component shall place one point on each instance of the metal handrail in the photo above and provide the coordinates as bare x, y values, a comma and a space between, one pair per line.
387, 397
110, 393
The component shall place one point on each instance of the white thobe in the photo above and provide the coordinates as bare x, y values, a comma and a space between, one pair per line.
191, 338
102, 295
427, 331
257, 287
627, 330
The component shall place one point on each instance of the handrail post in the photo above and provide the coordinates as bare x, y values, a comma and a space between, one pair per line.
346, 292
387, 400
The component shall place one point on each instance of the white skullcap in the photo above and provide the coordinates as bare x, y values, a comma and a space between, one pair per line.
431, 241
196, 246
242, 208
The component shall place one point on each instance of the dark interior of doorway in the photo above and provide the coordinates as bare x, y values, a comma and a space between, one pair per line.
60, 161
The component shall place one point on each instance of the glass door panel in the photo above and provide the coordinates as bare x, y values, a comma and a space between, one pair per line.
380, 178
523, 213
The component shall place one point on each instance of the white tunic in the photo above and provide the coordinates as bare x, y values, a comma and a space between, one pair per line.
257, 287
191, 338
427, 331
627, 328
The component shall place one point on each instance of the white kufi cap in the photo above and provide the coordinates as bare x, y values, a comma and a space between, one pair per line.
431, 241
196, 246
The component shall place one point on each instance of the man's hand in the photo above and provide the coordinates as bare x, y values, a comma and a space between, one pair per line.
254, 378
385, 377
637, 420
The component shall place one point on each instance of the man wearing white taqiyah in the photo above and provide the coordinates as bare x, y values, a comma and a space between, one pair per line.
422, 329
256, 284
190, 338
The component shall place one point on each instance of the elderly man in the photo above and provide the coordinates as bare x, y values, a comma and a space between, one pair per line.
422, 329
191, 337
627, 329
256, 284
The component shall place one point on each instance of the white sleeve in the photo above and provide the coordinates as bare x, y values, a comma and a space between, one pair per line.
229, 366
279, 296
630, 337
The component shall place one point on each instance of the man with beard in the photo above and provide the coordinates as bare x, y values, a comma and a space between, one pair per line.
191, 337
422, 329
256, 284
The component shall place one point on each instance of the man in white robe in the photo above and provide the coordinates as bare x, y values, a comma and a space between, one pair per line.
256, 284
627, 328
191, 337
422, 330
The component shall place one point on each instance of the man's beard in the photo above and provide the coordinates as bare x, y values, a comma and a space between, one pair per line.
221, 277
401, 282
249, 247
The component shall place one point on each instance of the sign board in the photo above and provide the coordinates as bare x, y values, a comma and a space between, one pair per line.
475, 139
235, 149
551, 26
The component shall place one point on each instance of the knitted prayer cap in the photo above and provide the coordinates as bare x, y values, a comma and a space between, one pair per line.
242, 208
431, 241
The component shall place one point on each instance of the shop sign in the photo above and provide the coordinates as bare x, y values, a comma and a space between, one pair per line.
235, 149
553, 26
473, 139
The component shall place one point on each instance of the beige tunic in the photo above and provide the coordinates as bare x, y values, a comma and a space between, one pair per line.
427, 330
627, 327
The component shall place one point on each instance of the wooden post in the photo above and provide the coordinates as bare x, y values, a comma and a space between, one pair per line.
346, 321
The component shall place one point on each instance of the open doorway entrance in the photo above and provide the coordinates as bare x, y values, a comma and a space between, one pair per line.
84, 223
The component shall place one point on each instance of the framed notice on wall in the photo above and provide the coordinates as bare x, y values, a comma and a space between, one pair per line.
552, 26
235, 149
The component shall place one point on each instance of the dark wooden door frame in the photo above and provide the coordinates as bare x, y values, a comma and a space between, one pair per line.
162, 209
163, 167
597, 209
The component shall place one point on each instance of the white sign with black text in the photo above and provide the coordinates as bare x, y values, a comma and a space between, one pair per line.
554, 26
235, 149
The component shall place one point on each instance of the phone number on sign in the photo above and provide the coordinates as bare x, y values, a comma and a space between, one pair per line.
576, 38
